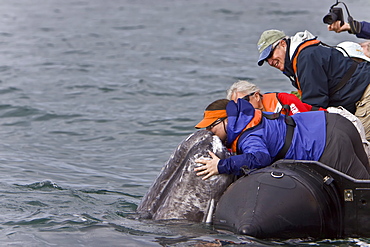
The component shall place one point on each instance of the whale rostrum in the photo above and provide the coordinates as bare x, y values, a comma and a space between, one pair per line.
177, 192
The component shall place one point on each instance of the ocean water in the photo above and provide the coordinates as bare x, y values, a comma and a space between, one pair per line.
96, 95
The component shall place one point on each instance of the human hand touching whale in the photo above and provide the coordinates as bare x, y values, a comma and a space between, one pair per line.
209, 168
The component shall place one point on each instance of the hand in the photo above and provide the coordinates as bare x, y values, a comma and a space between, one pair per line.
366, 48
210, 166
335, 26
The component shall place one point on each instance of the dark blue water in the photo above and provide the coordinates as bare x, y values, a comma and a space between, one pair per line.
95, 95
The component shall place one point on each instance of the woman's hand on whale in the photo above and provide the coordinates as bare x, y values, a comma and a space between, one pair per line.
209, 168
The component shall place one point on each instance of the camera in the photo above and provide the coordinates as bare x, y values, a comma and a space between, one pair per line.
335, 14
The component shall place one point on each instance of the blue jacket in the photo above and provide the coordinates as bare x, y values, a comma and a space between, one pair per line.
365, 30
260, 146
320, 69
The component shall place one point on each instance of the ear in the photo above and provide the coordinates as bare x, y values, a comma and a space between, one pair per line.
282, 43
258, 96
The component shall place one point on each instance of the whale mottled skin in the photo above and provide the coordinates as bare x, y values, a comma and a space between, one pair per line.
178, 193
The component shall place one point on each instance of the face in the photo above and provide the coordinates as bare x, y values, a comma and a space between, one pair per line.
219, 130
277, 58
256, 100
366, 48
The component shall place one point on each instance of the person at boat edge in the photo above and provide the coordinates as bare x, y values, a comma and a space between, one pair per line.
270, 101
353, 50
322, 75
365, 48
258, 140
273, 102
360, 29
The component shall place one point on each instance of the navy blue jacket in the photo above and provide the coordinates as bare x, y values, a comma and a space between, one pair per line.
365, 30
320, 69
260, 146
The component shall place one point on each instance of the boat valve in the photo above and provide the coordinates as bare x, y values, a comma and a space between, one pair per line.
328, 180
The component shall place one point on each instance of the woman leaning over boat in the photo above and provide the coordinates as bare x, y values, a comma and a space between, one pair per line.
259, 138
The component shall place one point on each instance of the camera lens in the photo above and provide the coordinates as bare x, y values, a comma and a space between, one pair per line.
335, 14
330, 18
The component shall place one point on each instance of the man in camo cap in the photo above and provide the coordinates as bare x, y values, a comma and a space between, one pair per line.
322, 75
267, 43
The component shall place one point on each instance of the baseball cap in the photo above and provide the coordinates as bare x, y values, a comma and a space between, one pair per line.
267, 39
210, 117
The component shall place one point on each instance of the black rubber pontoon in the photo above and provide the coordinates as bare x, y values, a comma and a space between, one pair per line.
296, 199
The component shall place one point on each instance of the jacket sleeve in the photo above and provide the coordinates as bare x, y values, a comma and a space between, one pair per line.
296, 105
312, 76
365, 30
254, 155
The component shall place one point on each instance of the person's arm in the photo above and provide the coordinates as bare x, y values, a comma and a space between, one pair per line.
336, 27
296, 105
234, 164
231, 165
361, 29
365, 30
255, 155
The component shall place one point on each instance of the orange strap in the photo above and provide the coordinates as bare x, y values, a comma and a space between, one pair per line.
300, 48
254, 122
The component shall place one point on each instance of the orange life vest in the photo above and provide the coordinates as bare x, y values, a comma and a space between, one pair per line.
295, 58
271, 102
256, 120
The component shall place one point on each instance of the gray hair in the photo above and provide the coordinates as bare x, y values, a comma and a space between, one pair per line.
242, 87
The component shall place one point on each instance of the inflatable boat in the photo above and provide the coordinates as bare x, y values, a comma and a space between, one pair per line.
289, 199
296, 199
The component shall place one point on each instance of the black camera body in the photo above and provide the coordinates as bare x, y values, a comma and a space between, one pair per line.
335, 14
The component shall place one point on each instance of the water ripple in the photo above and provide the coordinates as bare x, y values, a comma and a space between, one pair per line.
129, 27
229, 12
43, 185
5, 68
50, 116
18, 111
40, 221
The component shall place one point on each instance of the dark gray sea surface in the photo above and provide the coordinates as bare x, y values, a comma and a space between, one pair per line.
96, 95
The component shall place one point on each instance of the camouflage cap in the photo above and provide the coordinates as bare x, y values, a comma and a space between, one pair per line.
265, 42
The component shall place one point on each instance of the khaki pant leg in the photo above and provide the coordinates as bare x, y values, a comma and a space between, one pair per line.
363, 111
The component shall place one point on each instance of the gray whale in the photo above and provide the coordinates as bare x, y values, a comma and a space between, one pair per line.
177, 192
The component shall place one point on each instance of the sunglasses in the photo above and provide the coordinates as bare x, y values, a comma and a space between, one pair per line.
246, 97
218, 121
272, 50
